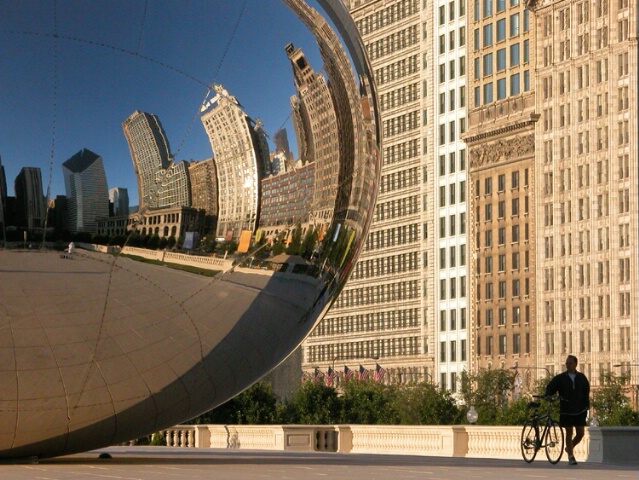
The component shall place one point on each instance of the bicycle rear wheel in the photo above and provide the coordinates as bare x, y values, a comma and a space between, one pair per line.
554, 443
528, 442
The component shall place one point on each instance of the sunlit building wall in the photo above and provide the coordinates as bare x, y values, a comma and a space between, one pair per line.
385, 310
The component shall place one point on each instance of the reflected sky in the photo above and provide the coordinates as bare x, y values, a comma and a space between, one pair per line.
71, 91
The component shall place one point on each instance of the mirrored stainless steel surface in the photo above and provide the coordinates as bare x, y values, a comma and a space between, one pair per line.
101, 348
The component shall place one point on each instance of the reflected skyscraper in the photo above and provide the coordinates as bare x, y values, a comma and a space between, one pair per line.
87, 193
119, 197
161, 182
204, 186
29, 198
240, 154
317, 125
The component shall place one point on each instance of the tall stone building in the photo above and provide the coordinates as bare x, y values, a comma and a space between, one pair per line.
161, 182
586, 182
385, 312
500, 139
203, 178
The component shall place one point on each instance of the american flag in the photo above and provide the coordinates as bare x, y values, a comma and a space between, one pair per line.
348, 373
380, 373
330, 377
318, 375
363, 373
306, 377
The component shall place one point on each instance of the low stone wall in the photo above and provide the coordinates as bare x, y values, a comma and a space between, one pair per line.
600, 444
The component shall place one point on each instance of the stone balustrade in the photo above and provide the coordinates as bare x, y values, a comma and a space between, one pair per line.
600, 444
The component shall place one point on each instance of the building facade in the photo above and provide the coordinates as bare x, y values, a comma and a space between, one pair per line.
240, 156
119, 198
87, 192
161, 182
385, 312
587, 185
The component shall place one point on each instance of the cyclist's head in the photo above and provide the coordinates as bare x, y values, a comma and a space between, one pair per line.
571, 363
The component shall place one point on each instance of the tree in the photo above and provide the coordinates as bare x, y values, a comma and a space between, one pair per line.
295, 246
425, 404
488, 392
154, 242
369, 402
314, 404
611, 404
257, 405
309, 242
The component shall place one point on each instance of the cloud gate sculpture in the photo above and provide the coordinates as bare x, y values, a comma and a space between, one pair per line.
102, 348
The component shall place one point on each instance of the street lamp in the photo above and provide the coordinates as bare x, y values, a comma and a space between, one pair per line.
472, 415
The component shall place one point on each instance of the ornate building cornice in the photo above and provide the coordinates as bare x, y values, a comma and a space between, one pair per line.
502, 150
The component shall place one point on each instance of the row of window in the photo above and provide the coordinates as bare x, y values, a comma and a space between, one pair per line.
375, 294
448, 320
454, 101
492, 33
368, 322
490, 7
502, 265
448, 288
454, 163
393, 43
400, 207
398, 97
501, 183
452, 71
486, 94
401, 124
501, 210
601, 172
455, 195
400, 152
399, 180
450, 354
496, 62
392, 237
583, 307
452, 225
453, 35
502, 293
387, 16
448, 256
388, 347
381, 267
515, 347
461, 11
453, 132
396, 71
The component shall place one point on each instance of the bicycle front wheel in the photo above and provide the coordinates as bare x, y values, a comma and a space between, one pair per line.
554, 443
529, 442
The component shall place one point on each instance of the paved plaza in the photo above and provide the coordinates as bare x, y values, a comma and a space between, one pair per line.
156, 463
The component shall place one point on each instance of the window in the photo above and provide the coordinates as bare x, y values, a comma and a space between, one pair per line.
501, 5
502, 316
514, 55
501, 89
488, 93
488, 210
515, 88
488, 8
501, 59
488, 35
488, 64
501, 30
514, 25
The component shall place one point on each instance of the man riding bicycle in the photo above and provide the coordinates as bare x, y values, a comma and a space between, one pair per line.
574, 388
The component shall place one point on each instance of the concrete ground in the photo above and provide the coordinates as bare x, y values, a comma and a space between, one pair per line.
155, 463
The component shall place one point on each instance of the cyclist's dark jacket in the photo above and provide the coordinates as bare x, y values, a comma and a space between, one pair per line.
577, 397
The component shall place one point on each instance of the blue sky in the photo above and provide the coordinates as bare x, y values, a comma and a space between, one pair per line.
114, 57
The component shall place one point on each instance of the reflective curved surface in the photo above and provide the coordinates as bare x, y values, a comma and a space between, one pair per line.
100, 348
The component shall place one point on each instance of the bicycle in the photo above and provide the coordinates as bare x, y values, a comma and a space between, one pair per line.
537, 435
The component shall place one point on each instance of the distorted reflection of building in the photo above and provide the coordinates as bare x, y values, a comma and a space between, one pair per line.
241, 156
87, 192
286, 200
161, 182
316, 125
119, 199
283, 149
167, 222
30, 205
203, 178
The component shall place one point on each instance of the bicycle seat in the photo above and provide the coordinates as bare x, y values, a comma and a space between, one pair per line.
533, 405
